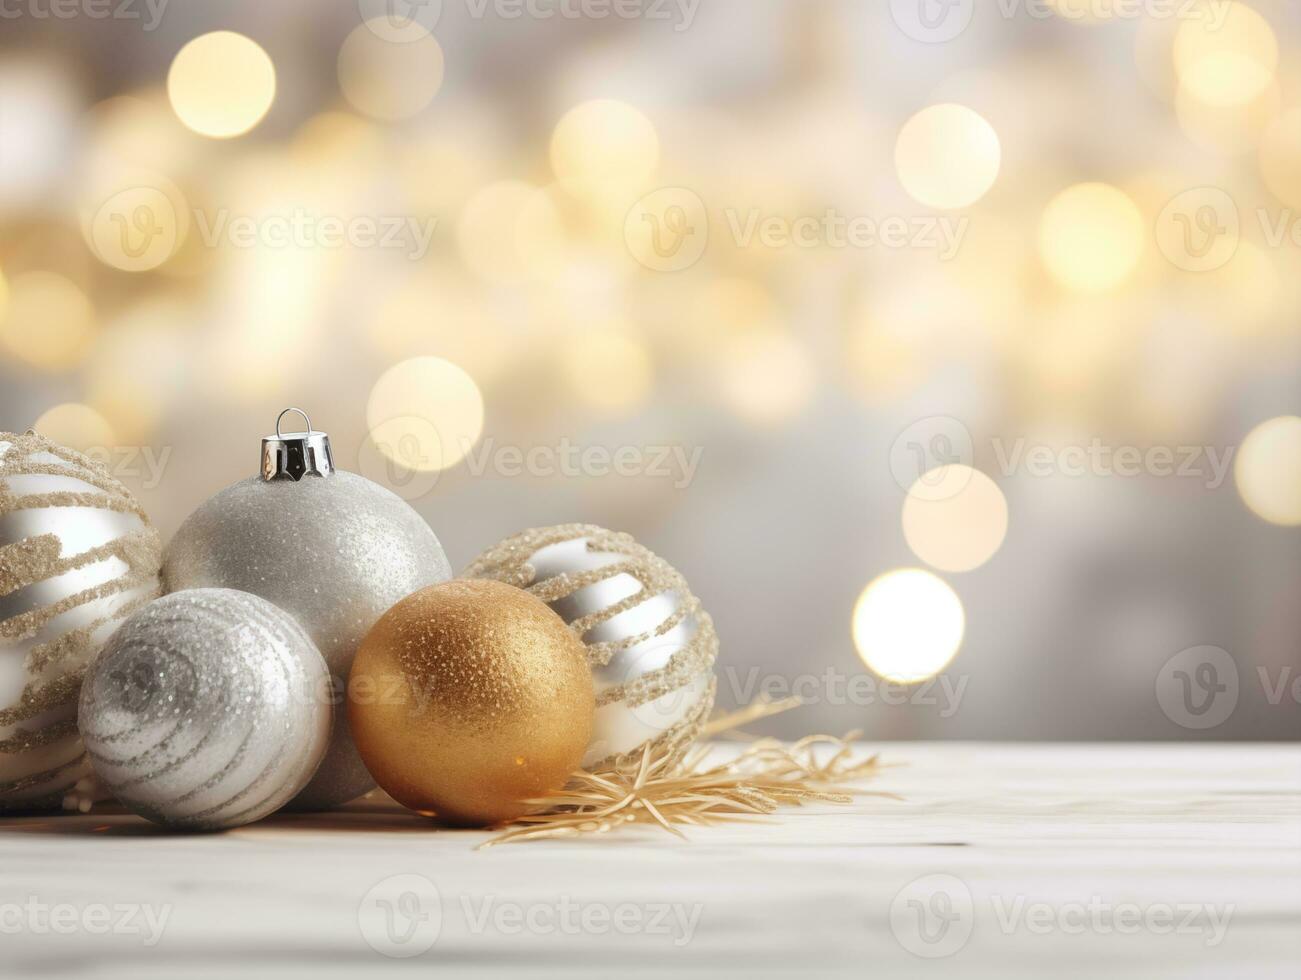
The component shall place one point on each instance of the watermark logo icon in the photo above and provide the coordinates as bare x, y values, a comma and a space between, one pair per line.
136, 229
401, 916
400, 21
932, 916
1198, 688
404, 454
932, 21
667, 230
921, 455
1199, 229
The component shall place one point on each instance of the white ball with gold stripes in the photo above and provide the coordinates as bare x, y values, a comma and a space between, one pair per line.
77, 555
650, 644
207, 709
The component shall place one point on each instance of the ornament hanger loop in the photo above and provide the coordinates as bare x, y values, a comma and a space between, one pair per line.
293, 455
279, 434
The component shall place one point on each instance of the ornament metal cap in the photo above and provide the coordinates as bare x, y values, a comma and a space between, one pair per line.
293, 455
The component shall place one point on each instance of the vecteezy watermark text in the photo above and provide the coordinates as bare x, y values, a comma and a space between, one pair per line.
400, 21
41, 918
139, 228
142, 466
940, 21
669, 229
831, 229
302, 228
934, 916
929, 444
404, 915
149, 12
834, 687
570, 460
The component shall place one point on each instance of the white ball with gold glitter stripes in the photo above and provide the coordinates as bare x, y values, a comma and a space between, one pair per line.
208, 709
77, 555
650, 644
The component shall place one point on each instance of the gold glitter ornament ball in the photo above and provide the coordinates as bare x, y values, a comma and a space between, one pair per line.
469, 698
650, 644
77, 556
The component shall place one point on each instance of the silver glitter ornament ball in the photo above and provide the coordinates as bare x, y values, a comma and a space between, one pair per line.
329, 547
77, 555
207, 709
651, 646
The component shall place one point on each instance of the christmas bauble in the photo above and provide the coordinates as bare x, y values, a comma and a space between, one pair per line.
651, 646
77, 554
330, 547
207, 709
469, 698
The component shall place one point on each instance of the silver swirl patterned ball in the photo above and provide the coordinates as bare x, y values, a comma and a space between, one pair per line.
77, 555
207, 709
650, 644
336, 552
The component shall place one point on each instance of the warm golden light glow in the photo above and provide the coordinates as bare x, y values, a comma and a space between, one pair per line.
138, 372
76, 426
765, 376
1280, 158
955, 518
722, 309
389, 81
608, 367
604, 147
1091, 237
947, 156
1268, 471
510, 232
908, 625
49, 322
425, 414
439, 314
135, 221
221, 84
138, 130
1229, 62
1227, 129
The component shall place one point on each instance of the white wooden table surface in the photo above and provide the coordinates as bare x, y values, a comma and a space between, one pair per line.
1000, 861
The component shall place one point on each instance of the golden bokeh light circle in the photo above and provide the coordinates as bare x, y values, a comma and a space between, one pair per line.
1280, 158
947, 156
1091, 237
604, 147
425, 414
221, 84
1267, 471
1226, 60
76, 426
49, 322
955, 518
389, 81
908, 625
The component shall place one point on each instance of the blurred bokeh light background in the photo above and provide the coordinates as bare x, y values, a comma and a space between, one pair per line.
952, 350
